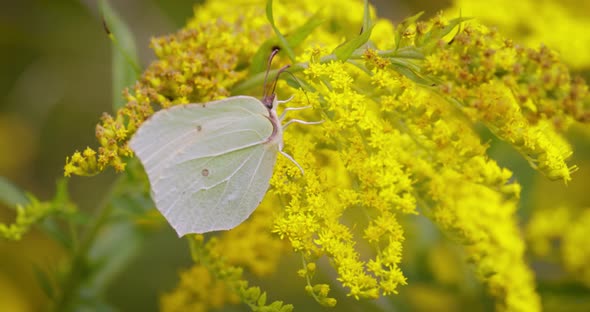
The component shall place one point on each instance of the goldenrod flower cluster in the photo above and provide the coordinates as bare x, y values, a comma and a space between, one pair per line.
34, 211
556, 230
193, 66
524, 96
398, 139
562, 25
214, 282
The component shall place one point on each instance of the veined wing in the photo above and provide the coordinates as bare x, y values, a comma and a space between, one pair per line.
194, 153
216, 192
199, 130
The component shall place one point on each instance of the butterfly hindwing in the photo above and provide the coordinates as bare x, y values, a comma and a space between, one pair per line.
221, 191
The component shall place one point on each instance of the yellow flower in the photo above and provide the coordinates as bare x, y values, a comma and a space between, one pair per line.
398, 139
557, 24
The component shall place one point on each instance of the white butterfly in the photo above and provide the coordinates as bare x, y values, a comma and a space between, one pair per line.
209, 164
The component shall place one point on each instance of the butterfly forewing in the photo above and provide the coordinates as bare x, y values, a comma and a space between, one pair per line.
193, 127
208, 164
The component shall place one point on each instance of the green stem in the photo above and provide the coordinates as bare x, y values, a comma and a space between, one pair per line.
258, 79
76, 275
308, 278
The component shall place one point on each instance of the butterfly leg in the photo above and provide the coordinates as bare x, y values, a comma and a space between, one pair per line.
289, 157
300, 122
287, 100
303, 122
288, 109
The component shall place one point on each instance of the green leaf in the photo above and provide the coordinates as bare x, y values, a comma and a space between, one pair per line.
406, 71
293, 40
409, 52
298, 84
120, 239
11, 195
55, 231
431, 38
253, 293
262, 299
61, 205
401, 28
452, 24
282, 40
125, 60
115, 247
110, 243
301, 33
260, 58
287, 308
345, 50
44, 281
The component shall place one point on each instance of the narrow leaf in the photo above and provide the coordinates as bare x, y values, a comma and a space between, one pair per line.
117, 245
452, 24
302, 32
55, 231
259, 59
401, 28
404, 70
282, 40
121, 239
409, 53
11, 195
431, 38
345, 50
44, 281
125, 67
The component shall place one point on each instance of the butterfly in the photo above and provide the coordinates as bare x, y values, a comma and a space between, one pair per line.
210, 164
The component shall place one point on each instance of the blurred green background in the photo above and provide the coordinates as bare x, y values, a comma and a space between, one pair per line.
55, 82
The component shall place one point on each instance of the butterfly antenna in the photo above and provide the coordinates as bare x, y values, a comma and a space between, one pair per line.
270, 58
281, 70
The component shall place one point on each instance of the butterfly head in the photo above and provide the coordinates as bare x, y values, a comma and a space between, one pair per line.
269, 100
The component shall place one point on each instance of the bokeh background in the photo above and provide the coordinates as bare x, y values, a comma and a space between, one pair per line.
56, 80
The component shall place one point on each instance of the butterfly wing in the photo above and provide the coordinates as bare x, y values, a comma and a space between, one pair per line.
209, 165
